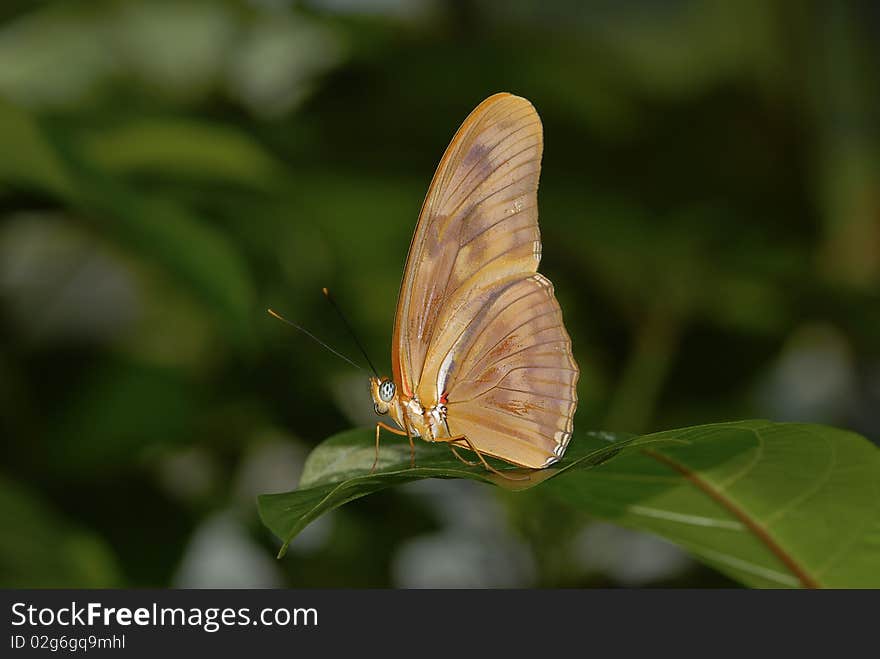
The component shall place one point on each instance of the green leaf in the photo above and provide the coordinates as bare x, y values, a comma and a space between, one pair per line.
338, 471
41, 548
186, 245
35, 165
103, 421
768, 504
174, 147
157, 229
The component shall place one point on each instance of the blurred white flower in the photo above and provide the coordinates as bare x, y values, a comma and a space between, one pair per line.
57, 280
273, 67
474, 550
631, 558
221, 554
813, 378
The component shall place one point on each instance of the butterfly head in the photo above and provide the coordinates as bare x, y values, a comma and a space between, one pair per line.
384, 394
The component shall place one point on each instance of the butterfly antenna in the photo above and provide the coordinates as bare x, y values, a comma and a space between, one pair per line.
350, 330
314, 338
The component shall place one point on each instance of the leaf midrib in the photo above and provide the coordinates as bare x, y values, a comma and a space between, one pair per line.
806, 579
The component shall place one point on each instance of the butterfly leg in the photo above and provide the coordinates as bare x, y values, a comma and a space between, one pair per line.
452, 446
463, 438
380, 425
412, 449
470, 463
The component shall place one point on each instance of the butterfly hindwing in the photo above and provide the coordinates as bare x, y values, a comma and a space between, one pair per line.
515, 391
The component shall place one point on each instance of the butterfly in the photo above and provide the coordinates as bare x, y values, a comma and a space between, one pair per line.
481, 359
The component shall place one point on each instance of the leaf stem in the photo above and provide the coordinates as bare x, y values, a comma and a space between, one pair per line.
654, 346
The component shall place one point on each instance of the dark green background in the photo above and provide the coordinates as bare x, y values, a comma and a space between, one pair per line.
710, 207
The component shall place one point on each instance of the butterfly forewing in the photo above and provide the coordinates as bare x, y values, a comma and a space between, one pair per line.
469, 291
478, 225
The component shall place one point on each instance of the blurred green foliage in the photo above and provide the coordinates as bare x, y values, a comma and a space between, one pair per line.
710, 206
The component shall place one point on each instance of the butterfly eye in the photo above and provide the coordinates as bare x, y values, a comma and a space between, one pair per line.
386, 390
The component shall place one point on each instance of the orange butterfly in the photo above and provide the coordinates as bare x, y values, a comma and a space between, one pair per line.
481, 358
